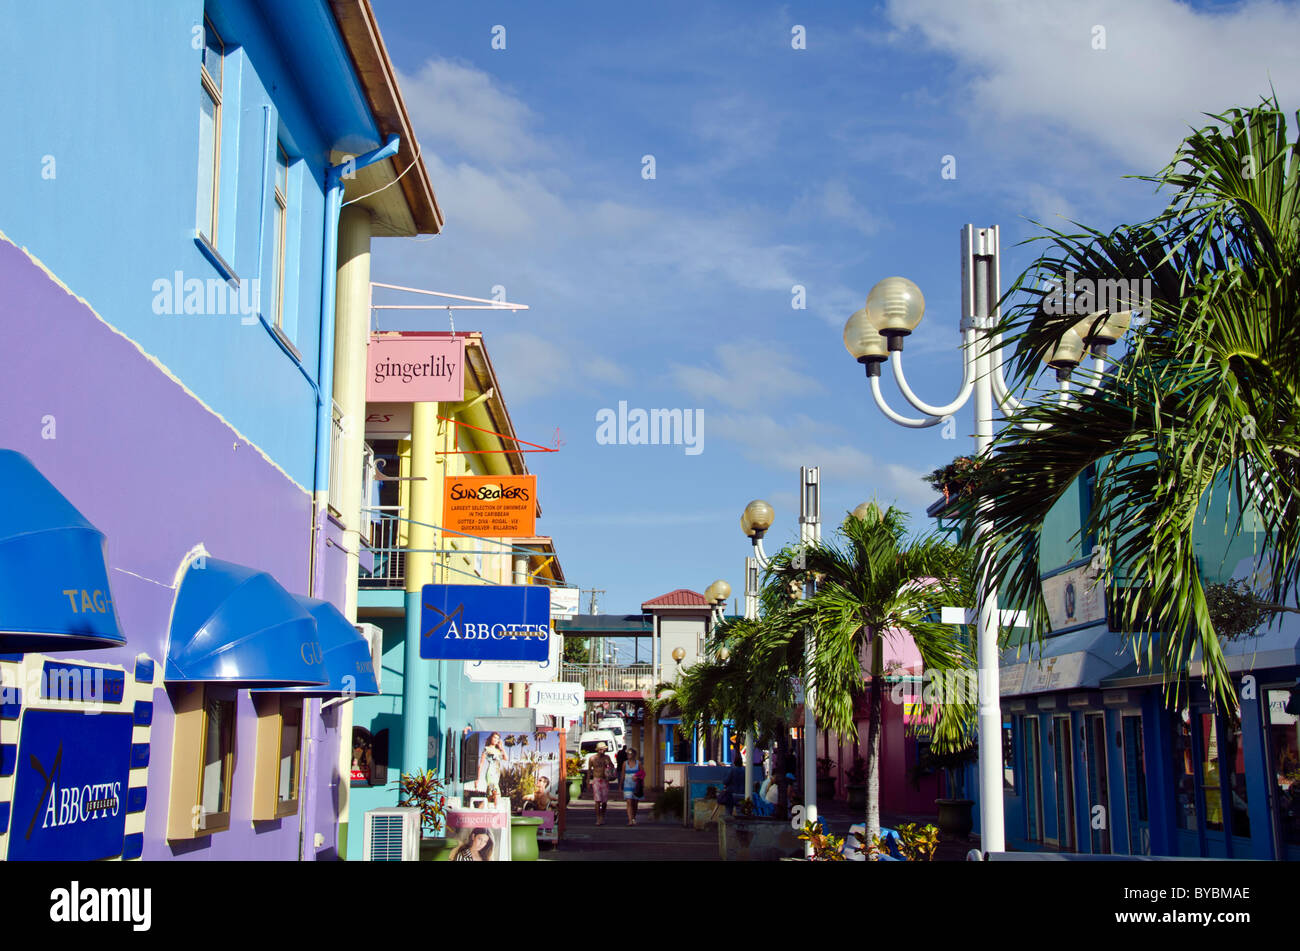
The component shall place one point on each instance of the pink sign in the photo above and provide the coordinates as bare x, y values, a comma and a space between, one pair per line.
415, 369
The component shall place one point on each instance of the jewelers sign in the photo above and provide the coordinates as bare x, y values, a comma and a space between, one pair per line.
485, 622
491, 506
405, 368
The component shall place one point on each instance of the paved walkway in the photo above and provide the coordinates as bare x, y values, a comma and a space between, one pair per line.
667, 840
648, 841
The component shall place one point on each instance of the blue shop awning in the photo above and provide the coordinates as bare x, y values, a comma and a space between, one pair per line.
349, 668
233, 625
54, 591
1079, 659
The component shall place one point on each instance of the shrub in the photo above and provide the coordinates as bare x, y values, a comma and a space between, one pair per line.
670, 801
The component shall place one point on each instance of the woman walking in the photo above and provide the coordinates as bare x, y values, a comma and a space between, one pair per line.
633, 785
602, 770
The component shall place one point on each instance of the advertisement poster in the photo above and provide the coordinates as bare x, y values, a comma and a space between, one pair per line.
491, 506
524, 770
482, 835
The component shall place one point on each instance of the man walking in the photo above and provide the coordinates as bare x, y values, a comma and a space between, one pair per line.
602, 770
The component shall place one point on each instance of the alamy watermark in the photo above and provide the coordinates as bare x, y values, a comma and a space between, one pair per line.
1084, 296
656, 427
210, 297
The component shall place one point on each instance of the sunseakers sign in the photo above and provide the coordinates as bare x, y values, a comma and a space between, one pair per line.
406, 368
490, 506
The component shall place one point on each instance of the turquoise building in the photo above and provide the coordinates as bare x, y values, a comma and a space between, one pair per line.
1094, 759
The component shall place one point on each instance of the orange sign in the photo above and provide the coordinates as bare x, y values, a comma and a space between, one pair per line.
491, 506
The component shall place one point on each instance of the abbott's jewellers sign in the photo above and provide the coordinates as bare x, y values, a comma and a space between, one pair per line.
408, 368
485, 622
73, 775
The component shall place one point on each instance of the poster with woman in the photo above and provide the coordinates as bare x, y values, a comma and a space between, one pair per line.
524, 770
482, 835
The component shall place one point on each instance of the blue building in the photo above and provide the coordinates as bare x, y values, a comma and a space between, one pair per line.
1095, 760
181, 284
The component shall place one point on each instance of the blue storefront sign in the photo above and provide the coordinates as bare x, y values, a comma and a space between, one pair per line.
70, 787
485, 622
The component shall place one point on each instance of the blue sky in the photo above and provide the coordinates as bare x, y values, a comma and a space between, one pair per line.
774, 167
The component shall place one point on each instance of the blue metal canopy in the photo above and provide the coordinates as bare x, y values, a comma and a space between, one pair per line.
233, 625
54, 591
348, 665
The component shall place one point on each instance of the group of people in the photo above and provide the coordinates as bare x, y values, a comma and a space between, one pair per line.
626, 769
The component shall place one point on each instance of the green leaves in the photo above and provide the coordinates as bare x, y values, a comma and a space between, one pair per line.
1205, 402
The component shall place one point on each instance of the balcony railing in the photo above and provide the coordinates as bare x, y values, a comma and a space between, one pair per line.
390, 559
601, 677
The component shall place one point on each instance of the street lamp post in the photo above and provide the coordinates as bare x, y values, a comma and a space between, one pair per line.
755, 521
875, 334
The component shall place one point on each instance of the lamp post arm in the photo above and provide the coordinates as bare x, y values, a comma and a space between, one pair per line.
759, 555
967, 380
901, 420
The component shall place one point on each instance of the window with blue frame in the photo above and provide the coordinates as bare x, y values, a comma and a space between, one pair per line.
210, 79
279, 235
1033, 780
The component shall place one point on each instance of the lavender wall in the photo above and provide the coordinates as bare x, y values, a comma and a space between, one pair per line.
158, 473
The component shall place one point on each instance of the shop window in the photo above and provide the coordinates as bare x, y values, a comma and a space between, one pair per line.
203, 761
1063, 747
1008, 756
1033, 780
369, 757
1184, 768
1284, 753
1135, 780
279, 755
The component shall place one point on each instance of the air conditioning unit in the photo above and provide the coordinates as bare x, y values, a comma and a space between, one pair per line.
375, 638
392, 835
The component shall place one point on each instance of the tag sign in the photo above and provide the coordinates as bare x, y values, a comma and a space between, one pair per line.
485, 622
406, 368
558, 699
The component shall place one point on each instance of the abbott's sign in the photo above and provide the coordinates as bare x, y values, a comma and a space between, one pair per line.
485, 622
403, 368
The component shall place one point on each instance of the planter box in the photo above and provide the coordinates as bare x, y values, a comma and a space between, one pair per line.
706, 812
757, 839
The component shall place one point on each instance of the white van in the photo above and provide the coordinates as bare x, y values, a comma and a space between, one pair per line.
616, 726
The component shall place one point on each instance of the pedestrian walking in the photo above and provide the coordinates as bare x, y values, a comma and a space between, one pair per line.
602, 771
633, 785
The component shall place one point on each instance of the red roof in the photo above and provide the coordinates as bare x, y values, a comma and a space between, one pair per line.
682, 597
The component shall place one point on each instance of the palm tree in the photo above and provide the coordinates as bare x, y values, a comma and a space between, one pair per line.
876, 584
1206, 399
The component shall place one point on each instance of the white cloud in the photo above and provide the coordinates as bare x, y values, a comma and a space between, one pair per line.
800, 440
747, 375
534, 366
1033, 63
458, 106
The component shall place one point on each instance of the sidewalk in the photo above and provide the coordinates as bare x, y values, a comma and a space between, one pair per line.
669, 841
648, 841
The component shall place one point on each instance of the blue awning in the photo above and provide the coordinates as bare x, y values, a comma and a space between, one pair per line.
233, 625
348, 665
54, 591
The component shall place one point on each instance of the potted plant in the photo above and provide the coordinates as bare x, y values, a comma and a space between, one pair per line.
958, 479
956, 812
573, 773
856, 784
424, 791
825, 781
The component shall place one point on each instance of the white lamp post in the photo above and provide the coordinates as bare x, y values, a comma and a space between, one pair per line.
755, 521
875, 334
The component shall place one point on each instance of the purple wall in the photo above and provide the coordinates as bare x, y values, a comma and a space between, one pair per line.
158, 473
